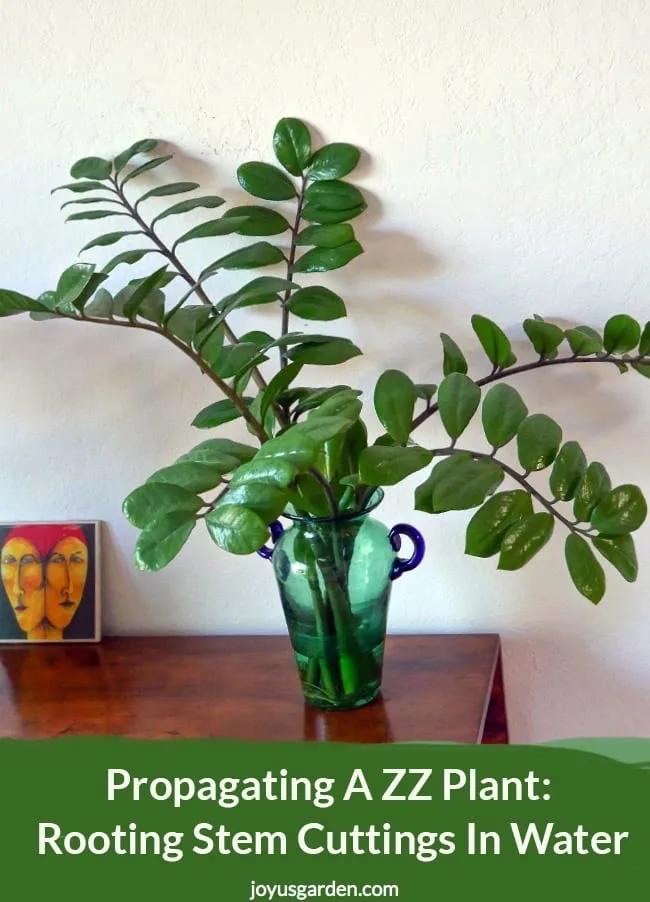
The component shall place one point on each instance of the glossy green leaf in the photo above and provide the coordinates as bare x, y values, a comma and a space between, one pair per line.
142, 291
458, 400
643, 369
282, 379
298, 450
258, 221
394, 400
71, 284
272, 471
622, 334
186, 206
322, 428
212, 229
466, 485
324, 259
490, 523
592, 488
385, 465
328, 353
82, 187
315, 398
236, 529
333, 161
453, 358
502, 414
91, 168
622, 510
545, 337
128, 258
218, 449
494, 342
259, 254
442, 471
144, 146
154, 499
524, 540
86, 201
585, 571
568, 469
325, 235
292, 145
235, 358
267, 501
146, 167
110, 238
153, 307
425, 390
644, 343
168, 190
94, 214
195, 477
332, 194
621, 554
12, 302
343, 403
188, 321
218, 413
316, 303
313, 212
584, 341
265, 181
162, 540
101, 305
538, 441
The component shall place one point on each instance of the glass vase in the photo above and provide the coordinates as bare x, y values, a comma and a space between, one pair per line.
335, 577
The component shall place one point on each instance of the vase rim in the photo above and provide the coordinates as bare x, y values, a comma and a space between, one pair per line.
373, 502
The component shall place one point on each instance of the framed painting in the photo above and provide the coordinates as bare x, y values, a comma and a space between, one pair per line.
50, 582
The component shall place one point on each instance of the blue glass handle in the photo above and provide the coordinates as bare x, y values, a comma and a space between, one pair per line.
403, 565
276, 531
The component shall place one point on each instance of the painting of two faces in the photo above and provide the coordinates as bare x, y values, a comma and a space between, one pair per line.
50, 585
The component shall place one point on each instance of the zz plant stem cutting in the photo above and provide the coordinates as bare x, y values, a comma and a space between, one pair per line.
308, 458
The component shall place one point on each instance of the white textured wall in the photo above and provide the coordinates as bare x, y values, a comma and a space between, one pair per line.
509, 173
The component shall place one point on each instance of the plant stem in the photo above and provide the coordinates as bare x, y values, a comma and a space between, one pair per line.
284, 360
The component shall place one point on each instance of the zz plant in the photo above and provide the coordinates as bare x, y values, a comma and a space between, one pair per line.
309, 450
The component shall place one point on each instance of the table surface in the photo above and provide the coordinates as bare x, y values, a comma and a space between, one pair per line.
436, 688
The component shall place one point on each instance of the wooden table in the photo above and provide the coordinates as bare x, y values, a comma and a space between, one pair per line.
443, 688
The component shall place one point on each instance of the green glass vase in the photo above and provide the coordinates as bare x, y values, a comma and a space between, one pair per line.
335, 577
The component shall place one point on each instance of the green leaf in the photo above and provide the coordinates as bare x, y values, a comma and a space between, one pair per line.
267, 501
385, 465
584, 341
101, 304
11, 303
502, 414
569, 468
234, 358
322, 428
282, 379
316, 303
458, 399
494, 342
272, 471
84, 201
642, 368
146, 167
622, 334
524, 539
168, 190
257, 221
592, 488
216, 450
621, 554
259, 254
212, 229
490, 523
394, 400
425, 390
325, 216
153, 307
333, 161
153, 500
93, 214
332, 194
236, 529
91, 168
328, 353
621, 511
217, 414
466, 485
188, 321
325, 235
324, 259
162, 540
195, 477
344, 403
292, 145
585, 571
265, 181
440, 472
110, 238
143, 290
545, 337
453, 359
71, 284
128, 257
186, 206
144, 146
538, 441
644, 343
294, 448
81, 187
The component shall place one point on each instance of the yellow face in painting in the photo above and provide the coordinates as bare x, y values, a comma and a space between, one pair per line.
22, 577
66, 572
